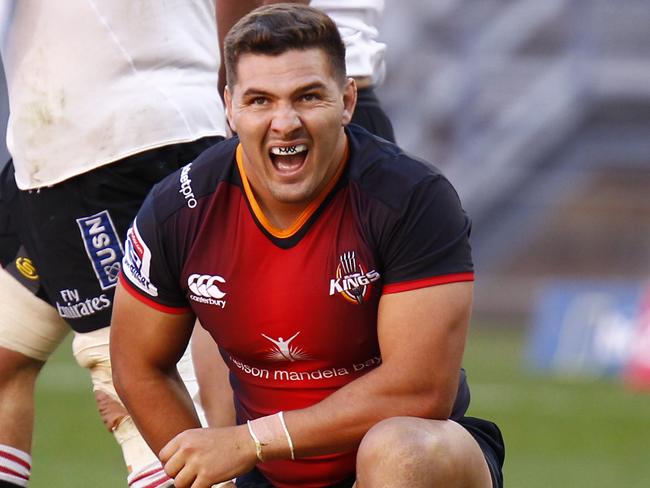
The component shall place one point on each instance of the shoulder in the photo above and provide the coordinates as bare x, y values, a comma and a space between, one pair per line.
186, 187
384, 172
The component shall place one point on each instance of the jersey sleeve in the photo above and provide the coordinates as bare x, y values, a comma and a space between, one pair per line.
428, 241
146, 273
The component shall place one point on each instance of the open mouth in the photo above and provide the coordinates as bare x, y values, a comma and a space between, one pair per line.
288, 159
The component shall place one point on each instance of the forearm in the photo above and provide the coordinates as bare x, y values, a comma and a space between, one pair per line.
158, 403
418, 376
340, 421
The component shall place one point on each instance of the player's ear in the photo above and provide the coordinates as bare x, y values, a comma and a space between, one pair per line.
227, 97
349, 100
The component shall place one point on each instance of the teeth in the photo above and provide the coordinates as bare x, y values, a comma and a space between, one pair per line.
288, 150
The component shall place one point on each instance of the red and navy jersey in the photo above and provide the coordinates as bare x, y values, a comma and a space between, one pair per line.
294, 311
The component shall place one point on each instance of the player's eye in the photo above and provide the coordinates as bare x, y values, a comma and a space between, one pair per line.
310, 97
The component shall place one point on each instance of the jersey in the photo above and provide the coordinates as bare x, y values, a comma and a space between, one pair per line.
295, 312
91, 83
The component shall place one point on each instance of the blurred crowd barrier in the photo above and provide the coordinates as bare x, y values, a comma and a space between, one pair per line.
593, 329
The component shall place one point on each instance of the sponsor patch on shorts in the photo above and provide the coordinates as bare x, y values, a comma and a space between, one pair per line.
103, 247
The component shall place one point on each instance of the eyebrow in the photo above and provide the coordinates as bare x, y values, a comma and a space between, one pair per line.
252, 91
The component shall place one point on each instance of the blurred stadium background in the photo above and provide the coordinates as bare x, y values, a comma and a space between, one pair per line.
539, 113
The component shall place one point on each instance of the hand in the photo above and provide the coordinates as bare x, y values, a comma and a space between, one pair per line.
199, 458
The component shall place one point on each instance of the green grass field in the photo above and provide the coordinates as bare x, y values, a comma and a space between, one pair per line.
559, 433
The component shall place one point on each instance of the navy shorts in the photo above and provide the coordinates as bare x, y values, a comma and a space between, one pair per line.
370, 115
74, 231
13, 255
486, 433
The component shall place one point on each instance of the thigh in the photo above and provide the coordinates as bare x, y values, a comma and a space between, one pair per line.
255, 479
414, 452
489, 438
28, 325
9, 242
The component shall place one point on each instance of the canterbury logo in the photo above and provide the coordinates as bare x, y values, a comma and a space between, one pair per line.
204, 286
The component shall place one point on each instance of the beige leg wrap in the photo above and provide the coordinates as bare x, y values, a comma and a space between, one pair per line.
92, 352
28, 325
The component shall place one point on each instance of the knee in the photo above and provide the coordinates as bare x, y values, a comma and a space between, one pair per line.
406, 445
91, 351
16, 367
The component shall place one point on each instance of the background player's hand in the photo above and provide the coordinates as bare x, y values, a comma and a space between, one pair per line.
199, 458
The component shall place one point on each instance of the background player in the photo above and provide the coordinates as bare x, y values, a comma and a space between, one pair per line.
286, 211
106, 98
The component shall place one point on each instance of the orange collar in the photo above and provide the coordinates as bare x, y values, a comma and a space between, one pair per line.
304, 215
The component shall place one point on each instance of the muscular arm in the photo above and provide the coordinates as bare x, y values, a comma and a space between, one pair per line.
422, 338
146, 344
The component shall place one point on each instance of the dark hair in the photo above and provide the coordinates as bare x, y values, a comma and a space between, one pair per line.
275, 29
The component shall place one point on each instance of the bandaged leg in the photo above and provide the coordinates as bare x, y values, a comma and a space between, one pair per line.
28, 325
92, 352
30, 330
186, 371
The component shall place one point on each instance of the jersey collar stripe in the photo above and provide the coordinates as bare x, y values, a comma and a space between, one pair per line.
305, 215
158, 306
425, 282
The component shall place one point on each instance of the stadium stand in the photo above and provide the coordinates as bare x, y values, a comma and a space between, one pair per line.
539, 113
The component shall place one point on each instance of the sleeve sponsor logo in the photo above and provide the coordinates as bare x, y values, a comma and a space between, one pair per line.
102, 246
137, 261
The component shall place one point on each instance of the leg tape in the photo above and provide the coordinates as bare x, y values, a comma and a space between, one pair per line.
28, 325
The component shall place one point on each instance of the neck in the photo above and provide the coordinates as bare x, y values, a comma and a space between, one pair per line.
281, 215
283, 219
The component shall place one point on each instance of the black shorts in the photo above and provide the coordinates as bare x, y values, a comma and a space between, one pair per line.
487, 435
370, 115
75, 230
13, 255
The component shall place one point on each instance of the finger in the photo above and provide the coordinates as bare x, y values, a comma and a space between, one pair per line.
198, 483
174, 464
168, 450
186, 478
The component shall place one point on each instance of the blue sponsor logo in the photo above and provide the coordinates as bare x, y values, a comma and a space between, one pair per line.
585, 327
103, 247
